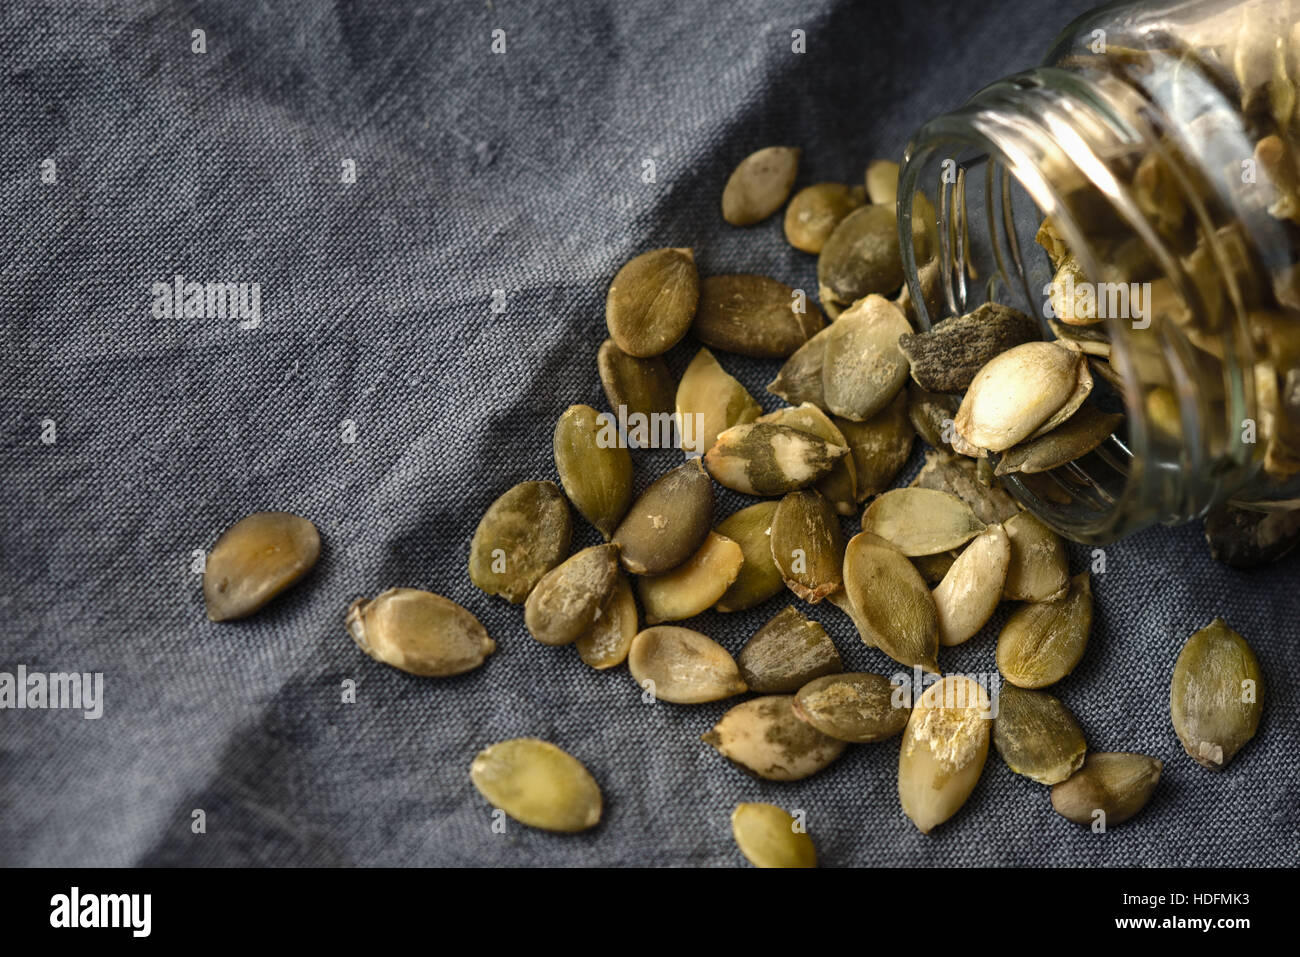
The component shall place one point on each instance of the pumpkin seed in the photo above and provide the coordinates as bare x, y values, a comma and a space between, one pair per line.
787, 653
595, 469
958, 476
934, 567
760, 185
769, 837
760, 458
1016, 393
693, 586
1038, 570
523, 535
1115, 783
921, 521
1037, 736
944, 747
879, 447
894, 607
607, 643
254, 560
1073, 402
538, 784
970, 592
1214, 699
764, 737
1084, 431
683, 666
882, 182
759, 578
863, 368
1050, 239
652, 301
754, 316
642, 386
840, 600
861, 257
1067, 305
948, 357
668, 523
1041, 643
1244, 538
839, 485
808, 545
567, 600
856, 707
419, 632
931, 415
815, 211
800, 379
709, 401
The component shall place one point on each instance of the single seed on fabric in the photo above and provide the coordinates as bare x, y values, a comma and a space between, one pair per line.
419, 632
769, 837
256, 559
760, 185
652, 301
538, 784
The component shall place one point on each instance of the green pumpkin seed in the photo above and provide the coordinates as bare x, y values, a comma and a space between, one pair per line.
815, 211
1037, 736
839, 485
1117, 784
765, 459
970, 592
1084, 431
921, 521
683, 666
808, 545
1041, 643
652, 301
760, 185
419, 632
787, 653
879, 447
768, 837
959, 476
1244, 538
695, 585
934, 567
709, 401
856, 707
863, 368
754, 316
1215, 697
948, 357
1016, 393
522, 536
882, 182
538, 784
608, 641
567, 600
945, 744
765, 738
642, 386
932, 415
800, 379
668, 523
595, 469
860, 258
759, 578
1038, 570
254, 560
840, 600
895, 610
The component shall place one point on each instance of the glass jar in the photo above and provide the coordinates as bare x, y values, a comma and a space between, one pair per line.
1139, 194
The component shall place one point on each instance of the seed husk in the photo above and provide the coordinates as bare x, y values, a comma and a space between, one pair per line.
894, 607
1244, 538
254, 560
959, 476
642, 386
683, 666
759, 578
652, 300
970, 592
862, 367
932, 415
695, 585
595, 469
754, 316
764, 737
419, 632
760, 185
538, 784
858, 707
1215, 699
568, 599
1037, 736
815, 211
921, 521
839, 485
760, 458
944, 747
608, 641
1016, 393
881, 180
808, 545
1042, 642
879, 447
768, 837
948, 357
710, 401
1038, 569
522, 536
786, 653
668, 523
860, 258
1084, 431
1116, 783
800, 379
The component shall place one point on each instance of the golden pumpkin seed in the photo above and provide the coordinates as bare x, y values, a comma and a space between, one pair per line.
1041, 643
652, 301
839, 485
959, 476
419, 632
948, 357
1073, 402
759, 578
1015, 393
879, 447
522, 536
921, 521
668, 523
595, 469
895, 610
760, 185
856, 707
1117, 784
760, 458
800, 379
815, 211
882, 182
1084, 431
764, 737
1038, 569
1050, 239
709, 401
932, 415
808, 545
693, 586
944, 747
642, 386
567, 600
1245, 538
768, 837
607, 643
754, 316
787, 653
1067, 305
538, 784
1037, 736
683, 666
860, 258
254, 560
1215, 697
862, 367
970, 592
